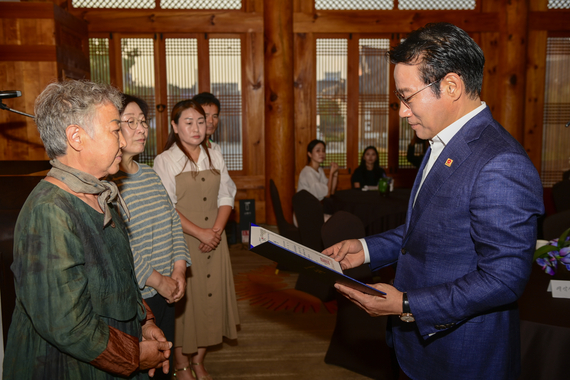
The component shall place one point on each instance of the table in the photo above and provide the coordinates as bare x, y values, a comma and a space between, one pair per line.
378, 213
545, 328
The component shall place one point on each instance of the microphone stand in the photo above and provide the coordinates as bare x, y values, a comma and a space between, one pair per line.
5, 107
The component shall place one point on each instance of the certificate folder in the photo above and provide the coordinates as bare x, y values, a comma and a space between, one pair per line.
302, 259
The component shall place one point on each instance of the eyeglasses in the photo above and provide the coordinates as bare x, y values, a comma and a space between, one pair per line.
133, 124
406, 101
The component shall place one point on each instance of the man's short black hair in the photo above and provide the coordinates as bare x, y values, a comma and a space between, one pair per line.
440, 49
206, 98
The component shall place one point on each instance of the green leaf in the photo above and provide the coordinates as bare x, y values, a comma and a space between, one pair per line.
543, 251
562, 240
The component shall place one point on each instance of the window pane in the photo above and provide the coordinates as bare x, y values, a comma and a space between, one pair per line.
353, 4
181, 70
225, 84
558, 4
99, 60
138, 79
200, 4
436, 4
374, 82
125, 4
556, 138
331, 98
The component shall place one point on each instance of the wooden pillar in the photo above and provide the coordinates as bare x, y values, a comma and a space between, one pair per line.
513, 45
279, 126
535, 85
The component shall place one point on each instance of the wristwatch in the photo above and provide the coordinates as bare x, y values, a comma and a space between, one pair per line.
406, 315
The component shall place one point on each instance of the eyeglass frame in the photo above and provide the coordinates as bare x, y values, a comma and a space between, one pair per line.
136, 122
406, 100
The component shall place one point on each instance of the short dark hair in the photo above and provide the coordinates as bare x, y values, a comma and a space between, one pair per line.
127, 99
440, 49
207, 98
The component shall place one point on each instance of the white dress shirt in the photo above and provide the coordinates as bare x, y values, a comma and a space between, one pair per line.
172, 162
438, 143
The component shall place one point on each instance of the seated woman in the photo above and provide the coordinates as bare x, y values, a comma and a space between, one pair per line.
78, 311
369, 172
313, 178
159, 250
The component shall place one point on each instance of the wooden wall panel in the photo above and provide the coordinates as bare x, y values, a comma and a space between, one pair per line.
512, 74
489, 42
39, 43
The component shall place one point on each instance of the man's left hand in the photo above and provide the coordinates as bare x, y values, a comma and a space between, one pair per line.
376, 306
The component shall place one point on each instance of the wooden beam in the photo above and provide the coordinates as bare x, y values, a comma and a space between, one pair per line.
29, 53
11, 10
390, 21
139, 21
279, 127
555, 20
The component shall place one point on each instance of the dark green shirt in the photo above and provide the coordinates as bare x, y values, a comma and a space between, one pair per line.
73, 279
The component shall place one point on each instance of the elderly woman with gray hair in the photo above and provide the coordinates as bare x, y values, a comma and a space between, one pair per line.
79, 313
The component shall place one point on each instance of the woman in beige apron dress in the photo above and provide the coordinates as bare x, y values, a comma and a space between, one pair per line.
198, 183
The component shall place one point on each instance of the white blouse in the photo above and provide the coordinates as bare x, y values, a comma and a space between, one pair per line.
315, 182
172, 162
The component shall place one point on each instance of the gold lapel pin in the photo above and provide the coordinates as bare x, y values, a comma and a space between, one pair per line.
448, 162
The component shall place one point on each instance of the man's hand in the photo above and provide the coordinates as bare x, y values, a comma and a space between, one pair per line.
376, 306
348, 253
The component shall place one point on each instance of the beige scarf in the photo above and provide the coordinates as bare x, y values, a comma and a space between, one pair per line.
82, 182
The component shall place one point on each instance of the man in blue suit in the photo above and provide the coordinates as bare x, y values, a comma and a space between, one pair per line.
465, 253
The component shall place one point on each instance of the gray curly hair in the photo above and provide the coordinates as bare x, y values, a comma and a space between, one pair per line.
66, 103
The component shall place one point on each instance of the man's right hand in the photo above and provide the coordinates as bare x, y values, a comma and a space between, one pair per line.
154, 354
348, 253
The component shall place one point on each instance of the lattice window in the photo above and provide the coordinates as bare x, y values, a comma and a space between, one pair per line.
99, 60
354, 4
558, 4
436, 4
181, 70
138, 79
332, 97
115, 4
225, 84
556, 138
374, 82
200, 4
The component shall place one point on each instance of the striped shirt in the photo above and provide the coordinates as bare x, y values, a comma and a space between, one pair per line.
155, 231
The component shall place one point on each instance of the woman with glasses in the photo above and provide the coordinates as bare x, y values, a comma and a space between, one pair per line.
159, 249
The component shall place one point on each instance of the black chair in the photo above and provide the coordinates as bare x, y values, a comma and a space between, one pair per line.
555, 224
358, 342
310, 218
286, 229
561, 195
